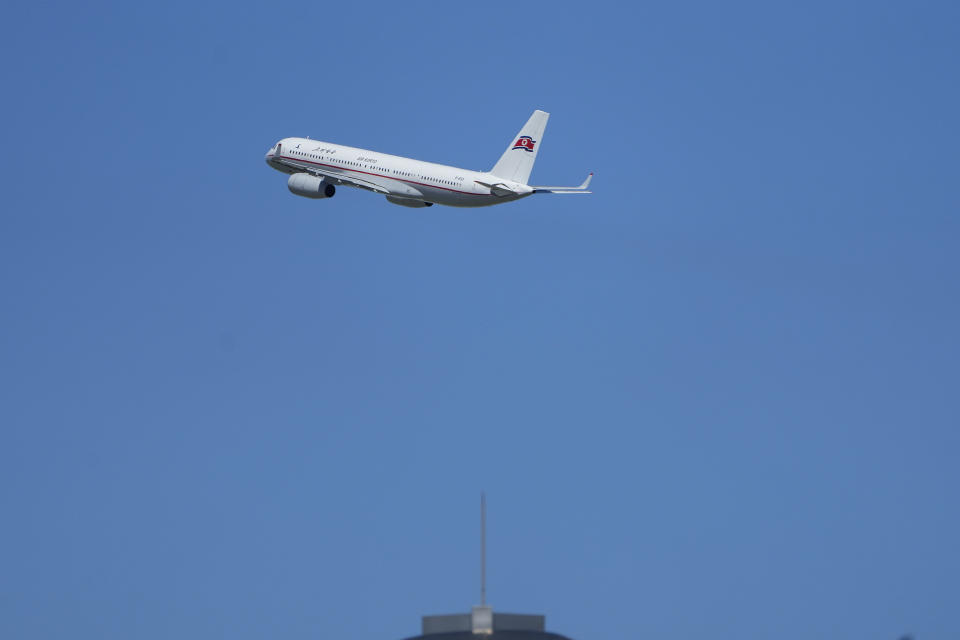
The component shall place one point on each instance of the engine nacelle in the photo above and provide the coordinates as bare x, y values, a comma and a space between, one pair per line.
409, 202
308, 186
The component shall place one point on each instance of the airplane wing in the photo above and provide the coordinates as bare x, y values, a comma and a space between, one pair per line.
341, 179
352, 181
579, 189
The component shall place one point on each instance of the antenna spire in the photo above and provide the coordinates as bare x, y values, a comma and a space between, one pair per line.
483, 548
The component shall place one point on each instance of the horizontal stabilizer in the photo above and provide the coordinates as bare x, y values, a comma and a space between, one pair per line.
498, 189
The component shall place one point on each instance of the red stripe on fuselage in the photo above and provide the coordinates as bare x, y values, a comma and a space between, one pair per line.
380, 175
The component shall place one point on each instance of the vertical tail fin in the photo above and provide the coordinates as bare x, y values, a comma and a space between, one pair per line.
517, 161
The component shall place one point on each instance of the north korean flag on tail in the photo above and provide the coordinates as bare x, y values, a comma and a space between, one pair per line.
525, 142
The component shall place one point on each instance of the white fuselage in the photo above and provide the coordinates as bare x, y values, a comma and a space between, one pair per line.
396, 177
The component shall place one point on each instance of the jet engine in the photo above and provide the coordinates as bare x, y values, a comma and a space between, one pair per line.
308, 186
409, 202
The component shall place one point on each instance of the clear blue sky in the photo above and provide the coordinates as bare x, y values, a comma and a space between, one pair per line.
717, 399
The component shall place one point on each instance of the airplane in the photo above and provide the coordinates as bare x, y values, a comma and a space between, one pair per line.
316, 168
